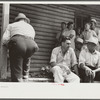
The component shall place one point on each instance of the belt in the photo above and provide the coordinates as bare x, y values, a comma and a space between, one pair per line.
18, 35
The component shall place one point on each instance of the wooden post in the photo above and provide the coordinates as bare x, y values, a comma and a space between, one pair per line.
3, 53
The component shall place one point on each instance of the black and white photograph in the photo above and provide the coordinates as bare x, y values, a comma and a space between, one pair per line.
50, 43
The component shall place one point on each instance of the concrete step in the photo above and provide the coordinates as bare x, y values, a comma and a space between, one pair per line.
40, 80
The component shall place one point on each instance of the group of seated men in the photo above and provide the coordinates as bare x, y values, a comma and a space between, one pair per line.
79, 64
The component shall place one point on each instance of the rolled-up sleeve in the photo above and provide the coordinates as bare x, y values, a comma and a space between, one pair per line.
94, 33
6, 35
82, 57
53, 56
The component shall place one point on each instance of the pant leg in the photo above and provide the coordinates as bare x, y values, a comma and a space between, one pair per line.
26, 67
16, 62
31, 48
97, 77
84, 77
72, 78
17, 49
57, 74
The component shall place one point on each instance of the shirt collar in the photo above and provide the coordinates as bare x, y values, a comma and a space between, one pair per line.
87, 31
60, 50
87, 50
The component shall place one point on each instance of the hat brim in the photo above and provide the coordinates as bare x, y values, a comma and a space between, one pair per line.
18, 18
94, 21
91, 42
79, 42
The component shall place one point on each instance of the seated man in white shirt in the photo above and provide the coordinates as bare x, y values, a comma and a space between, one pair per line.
89, 61
62, 60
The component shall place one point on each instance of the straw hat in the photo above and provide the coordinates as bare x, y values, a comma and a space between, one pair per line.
22, 16
93, 40
93, 20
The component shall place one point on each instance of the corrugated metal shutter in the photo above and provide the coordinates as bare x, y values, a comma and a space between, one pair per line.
46, 21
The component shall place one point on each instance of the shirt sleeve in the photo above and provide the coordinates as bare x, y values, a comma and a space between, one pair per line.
98, 63
99, 35
73, 34
94, 33
53, 55
82, 35
82, 57
73, 58
6, 35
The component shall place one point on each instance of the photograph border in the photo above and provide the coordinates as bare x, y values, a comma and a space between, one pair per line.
43, 91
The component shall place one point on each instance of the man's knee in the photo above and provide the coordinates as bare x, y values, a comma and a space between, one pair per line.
57, 74
55, 69
75, 78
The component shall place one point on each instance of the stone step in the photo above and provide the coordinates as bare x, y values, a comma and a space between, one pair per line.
40, 80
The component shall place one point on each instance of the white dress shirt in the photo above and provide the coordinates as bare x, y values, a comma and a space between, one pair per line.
91, 59
69, 59
21, 28
87, 34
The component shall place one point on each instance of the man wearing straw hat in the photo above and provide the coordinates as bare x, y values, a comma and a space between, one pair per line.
19, 38
89, 61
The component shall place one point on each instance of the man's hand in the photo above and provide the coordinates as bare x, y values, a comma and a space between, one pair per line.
71, 36
93, 73
88, 71
65, 68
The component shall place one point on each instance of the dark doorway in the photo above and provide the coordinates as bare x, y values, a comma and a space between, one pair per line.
80, 20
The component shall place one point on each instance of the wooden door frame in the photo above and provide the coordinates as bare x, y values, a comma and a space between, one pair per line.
3, 51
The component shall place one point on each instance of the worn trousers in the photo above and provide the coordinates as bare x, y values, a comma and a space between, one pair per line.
21, 48
89, 78
59, 76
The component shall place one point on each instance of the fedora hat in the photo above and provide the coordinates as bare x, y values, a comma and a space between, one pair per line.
93, 40
22, 16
